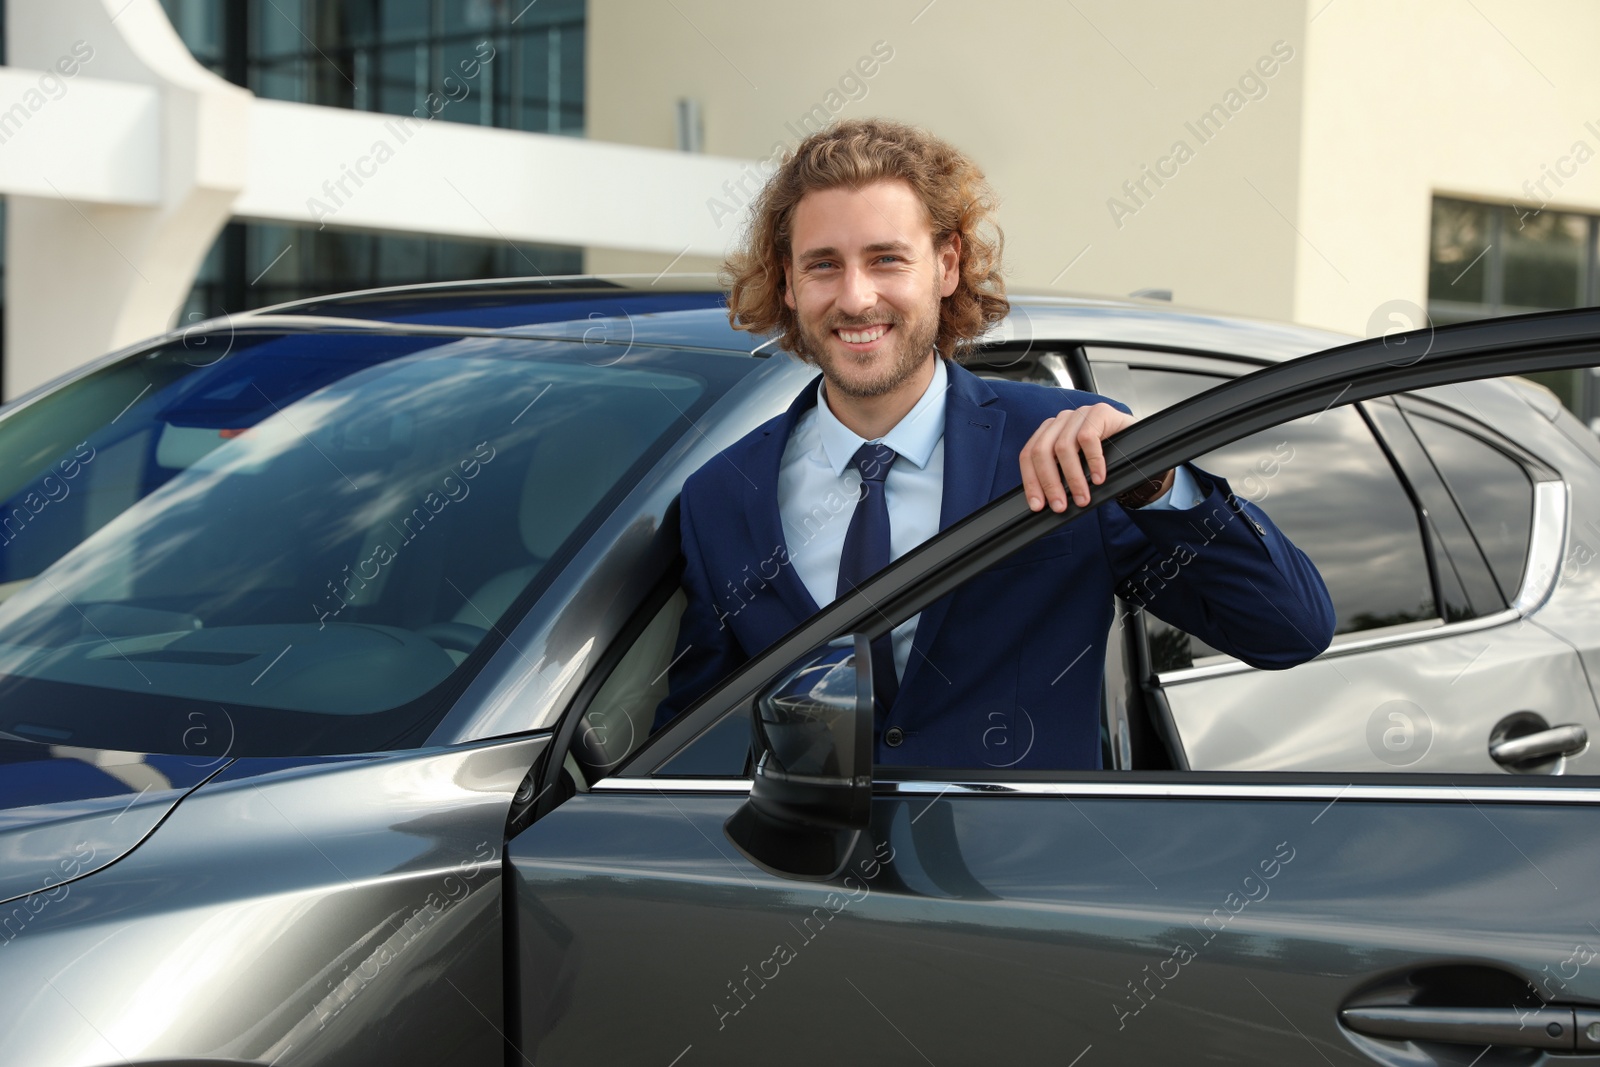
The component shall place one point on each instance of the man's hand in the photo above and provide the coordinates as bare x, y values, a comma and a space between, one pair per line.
1055, 448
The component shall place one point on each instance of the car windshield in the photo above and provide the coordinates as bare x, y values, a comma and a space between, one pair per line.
304, 543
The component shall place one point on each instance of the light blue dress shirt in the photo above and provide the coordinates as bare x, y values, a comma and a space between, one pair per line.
817, 492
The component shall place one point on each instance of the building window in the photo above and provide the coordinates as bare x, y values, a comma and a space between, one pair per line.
1505, 259
390, 55
506, 63
255, 264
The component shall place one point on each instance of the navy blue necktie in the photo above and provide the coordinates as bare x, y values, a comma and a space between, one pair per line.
866, 552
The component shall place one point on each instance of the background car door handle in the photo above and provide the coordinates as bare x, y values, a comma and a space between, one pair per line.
1550, 1026
1556, 741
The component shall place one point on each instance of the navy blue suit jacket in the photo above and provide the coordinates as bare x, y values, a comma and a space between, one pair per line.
1006, 670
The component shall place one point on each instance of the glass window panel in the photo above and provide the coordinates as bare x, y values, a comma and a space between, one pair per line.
1544, 259
1494, 493
1466, 583
463, 80
200, 24
402, 260
278, 29
1154, 389
394, 87
278, 80
1329, 488
460, 259
571, 82
465, 15
403, 20
533, 81
353, 512
1460, 236
386, 55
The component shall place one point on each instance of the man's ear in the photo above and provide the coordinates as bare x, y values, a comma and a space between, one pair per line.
949, 259
788, 288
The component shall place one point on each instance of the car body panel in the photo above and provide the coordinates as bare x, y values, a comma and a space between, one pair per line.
67, 812
1425, 704
1034, 929
346, 910
1167, 328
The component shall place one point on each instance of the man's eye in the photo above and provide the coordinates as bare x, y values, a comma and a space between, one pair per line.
888, 256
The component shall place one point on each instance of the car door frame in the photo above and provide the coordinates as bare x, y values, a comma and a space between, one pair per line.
1347, 374
1194, 427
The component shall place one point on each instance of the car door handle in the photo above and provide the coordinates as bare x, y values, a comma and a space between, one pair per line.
1556, 741
1549, 1026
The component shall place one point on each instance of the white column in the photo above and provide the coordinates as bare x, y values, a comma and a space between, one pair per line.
90, 269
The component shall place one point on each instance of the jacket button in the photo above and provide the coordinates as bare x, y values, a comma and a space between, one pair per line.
893, 736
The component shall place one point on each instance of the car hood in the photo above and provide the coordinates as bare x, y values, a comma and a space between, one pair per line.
65, 812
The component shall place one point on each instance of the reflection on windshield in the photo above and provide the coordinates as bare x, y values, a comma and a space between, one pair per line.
308, 537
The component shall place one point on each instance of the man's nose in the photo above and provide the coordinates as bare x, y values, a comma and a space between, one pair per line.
858, 294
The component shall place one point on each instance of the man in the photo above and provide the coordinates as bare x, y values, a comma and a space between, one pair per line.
869, 253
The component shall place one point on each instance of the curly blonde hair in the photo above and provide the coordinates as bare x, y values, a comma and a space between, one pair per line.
854, 153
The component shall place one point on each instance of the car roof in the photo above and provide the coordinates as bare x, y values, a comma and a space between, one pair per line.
690, 311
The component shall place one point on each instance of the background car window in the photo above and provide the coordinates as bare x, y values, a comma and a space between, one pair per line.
306, 539
1466, 586
1030, 364
1325, 482
1493, 491
1153, 389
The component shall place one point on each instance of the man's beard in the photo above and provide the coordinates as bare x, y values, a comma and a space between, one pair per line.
914, 347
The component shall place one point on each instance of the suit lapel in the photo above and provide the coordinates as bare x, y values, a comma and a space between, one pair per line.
763, 520
973, 426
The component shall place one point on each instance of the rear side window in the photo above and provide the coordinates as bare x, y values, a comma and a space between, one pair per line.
1328, 486
1155, 389
1493, 492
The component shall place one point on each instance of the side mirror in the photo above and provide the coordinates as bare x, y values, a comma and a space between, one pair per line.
812, 790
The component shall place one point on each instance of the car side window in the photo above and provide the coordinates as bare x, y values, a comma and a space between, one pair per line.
1328, 485
1493, 492
1152, 389
619, 717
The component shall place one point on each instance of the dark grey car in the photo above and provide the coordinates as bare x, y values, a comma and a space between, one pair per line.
330, 637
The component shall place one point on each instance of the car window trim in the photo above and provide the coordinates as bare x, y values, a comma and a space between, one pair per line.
1531, 467
1209, 364
1538, 468
1280, 393
1076, 788
1433, 545
1477, 557
1054, 359
1551, 504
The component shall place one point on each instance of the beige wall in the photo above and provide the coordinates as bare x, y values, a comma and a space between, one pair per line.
1311, 204
1058, 108
1405, 100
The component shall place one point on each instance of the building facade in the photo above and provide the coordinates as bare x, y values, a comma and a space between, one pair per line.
479, 63
1341, 163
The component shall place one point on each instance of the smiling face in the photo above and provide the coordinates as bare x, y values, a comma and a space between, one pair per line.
865, 282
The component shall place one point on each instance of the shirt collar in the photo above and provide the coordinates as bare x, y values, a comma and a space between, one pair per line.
913, 438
